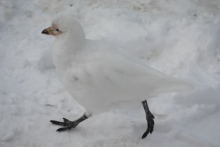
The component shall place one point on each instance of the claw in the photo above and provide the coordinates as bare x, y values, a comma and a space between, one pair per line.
68, 127
145, 134
65, 123
151, 115
63, 129
66, 120
57, 123
68, 124
150, 120
60, 129
150, 127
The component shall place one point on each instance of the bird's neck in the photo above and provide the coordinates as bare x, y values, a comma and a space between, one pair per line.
66, 48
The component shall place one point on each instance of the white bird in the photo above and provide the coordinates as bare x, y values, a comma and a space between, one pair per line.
102, 77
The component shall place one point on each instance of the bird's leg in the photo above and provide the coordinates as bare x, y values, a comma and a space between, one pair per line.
69, 124
150, 119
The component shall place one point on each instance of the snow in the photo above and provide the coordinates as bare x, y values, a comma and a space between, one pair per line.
179, 38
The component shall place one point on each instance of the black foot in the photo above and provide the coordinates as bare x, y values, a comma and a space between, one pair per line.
68, 124
150, 120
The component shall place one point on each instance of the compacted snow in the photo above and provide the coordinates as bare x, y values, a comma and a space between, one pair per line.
178, 37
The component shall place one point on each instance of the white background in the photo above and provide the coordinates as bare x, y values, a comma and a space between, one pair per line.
178, 37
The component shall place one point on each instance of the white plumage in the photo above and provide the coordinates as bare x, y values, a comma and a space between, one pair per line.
102, 77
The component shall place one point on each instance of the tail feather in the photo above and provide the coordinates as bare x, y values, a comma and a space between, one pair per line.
177, 86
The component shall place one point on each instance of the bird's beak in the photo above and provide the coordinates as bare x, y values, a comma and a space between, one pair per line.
48, 31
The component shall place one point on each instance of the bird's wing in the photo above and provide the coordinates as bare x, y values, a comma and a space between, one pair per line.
122, 74
104, 80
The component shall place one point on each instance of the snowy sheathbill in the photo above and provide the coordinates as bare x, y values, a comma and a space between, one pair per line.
102, 77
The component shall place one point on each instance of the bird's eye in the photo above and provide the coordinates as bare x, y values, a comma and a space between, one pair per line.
57, 30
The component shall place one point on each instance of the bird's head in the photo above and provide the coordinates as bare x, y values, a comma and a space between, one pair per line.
63, 25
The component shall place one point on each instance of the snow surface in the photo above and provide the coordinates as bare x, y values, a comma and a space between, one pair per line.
178, 37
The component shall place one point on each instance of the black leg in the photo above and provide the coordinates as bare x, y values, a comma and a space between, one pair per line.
69, 124
150, 119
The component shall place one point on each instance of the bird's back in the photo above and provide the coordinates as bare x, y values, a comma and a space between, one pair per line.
102, 78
